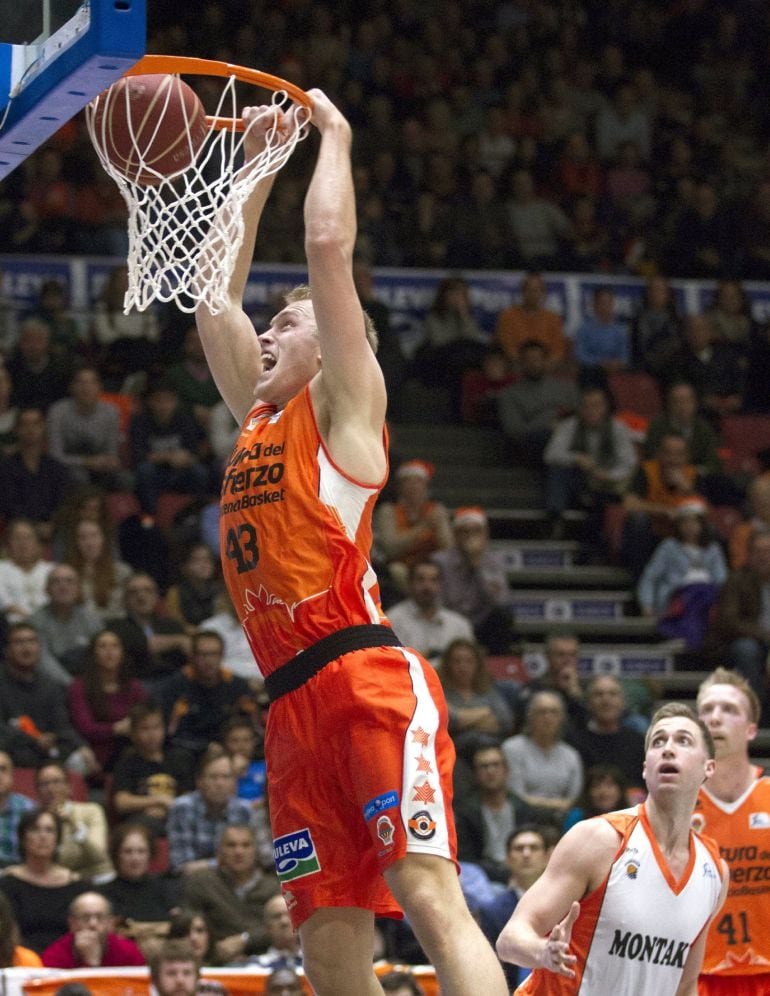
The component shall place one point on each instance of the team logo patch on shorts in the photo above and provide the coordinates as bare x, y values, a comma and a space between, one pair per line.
421, 825
385, 830
388, 800
295, 856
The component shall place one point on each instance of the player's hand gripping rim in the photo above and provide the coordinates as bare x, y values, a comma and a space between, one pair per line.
556, 956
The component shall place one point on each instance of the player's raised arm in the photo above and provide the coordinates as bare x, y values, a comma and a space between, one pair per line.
352, 384
538, 934
229, 339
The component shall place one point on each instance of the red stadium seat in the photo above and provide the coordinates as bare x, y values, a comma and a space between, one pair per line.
169, 505
744, 436
635, 392
122, 506
24, 782
159, 864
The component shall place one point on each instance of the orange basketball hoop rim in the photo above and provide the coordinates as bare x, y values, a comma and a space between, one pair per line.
182, 64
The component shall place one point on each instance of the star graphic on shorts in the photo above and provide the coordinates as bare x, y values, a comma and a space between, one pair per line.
423, 764
420, 736
424, 793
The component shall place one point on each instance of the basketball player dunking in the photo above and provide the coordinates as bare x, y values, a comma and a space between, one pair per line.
359, 759
631, 893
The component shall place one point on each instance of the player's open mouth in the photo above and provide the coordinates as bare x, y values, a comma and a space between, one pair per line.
668, 769
268, 361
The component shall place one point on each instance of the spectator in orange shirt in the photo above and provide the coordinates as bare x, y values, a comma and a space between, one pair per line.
531, 320
414, 526
652, 499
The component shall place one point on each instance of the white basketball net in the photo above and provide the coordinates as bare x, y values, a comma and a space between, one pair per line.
184, 233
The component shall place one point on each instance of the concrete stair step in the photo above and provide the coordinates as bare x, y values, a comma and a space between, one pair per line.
615, 630
450, 445
500, 496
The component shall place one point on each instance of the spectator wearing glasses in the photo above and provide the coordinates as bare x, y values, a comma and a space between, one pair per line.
90, 942
156, 645
487, 815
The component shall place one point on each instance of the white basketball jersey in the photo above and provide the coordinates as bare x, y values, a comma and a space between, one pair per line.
647, 921
635, 930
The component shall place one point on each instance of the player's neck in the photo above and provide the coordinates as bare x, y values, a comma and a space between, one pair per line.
732, 776
670, 823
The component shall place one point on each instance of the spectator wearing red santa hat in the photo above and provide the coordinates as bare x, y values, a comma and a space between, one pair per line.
414, 526
474, 581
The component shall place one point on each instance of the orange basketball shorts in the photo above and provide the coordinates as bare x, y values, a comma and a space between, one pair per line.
359, 765
734, 985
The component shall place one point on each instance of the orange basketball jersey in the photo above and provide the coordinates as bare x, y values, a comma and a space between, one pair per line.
739, 939
295, 535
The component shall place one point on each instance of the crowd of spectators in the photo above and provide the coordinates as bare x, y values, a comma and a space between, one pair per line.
547, 134
535, 135
123, 663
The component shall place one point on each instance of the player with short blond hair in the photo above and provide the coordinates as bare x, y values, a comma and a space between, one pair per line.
357, 743
734, 809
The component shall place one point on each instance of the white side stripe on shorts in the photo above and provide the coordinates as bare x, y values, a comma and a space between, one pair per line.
423, 809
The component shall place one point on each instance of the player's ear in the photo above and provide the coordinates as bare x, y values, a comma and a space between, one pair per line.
710, 768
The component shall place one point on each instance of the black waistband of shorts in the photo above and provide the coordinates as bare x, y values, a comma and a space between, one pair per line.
294, 673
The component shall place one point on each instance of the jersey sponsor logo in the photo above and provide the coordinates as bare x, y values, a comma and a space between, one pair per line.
388, 800
656, 950
257, 451
254, 501
759, 821
749, 873
708, 870
421, 825
237, 481
386, 830
733, 854
295, 855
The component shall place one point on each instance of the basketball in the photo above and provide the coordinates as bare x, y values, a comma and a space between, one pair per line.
151, 127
